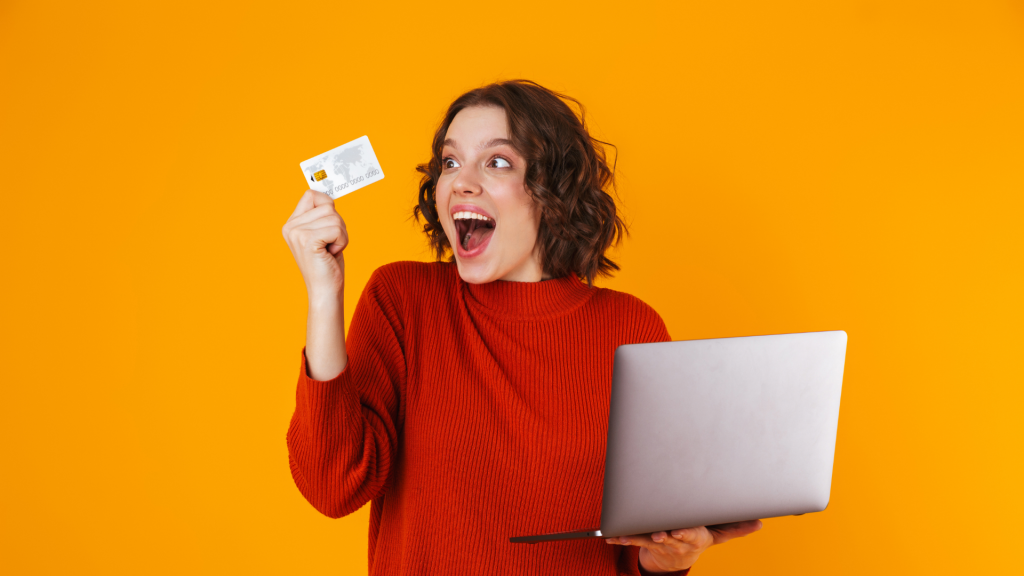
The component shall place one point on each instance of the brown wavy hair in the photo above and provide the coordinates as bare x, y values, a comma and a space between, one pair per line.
566, 172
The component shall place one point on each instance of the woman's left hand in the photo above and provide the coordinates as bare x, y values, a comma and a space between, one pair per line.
679, 549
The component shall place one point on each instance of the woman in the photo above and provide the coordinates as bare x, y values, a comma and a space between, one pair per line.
470, 402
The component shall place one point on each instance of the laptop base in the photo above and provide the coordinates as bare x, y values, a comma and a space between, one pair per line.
558, 536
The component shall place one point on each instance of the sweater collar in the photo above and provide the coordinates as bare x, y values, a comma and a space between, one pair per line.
527, 300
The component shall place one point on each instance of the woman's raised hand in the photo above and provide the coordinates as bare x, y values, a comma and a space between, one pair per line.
316, 235
678, 550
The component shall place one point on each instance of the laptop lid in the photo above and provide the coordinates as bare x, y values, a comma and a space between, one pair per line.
705, 432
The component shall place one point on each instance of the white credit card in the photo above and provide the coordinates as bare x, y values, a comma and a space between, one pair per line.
345, 169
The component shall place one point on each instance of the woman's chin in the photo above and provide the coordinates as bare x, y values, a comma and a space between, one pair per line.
476, 272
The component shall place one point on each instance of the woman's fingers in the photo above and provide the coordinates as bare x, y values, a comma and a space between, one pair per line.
726, 532
319, 198
689, 535
324, 236
659, 541
311, 206
332, 219
697, 537
305, 237
319, 213
677, 549
312, 215
635, 540
310, 199
305, 204
316, 235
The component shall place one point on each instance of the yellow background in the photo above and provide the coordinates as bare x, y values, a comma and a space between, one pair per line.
785, 166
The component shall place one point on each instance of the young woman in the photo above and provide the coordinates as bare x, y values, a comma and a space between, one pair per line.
470, 401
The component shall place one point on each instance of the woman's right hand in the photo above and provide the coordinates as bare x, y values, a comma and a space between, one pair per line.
316, 235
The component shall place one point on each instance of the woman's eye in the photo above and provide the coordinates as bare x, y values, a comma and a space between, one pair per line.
501, 163
449, 163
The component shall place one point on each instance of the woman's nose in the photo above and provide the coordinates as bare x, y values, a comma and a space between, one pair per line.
468, 182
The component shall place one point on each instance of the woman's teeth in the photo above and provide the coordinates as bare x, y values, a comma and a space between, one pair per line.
470, 216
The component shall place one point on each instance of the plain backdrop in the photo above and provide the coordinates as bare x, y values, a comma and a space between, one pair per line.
785, 166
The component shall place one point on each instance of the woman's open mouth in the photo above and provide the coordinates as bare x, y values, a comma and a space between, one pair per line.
473, 230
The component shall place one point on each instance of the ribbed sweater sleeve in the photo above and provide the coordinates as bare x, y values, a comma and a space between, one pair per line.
343, 435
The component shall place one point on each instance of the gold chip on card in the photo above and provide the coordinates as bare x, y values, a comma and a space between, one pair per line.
320, 175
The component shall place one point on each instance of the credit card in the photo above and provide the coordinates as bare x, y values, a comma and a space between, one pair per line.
345, 169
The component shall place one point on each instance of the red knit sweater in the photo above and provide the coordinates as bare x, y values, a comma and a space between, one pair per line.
469, 413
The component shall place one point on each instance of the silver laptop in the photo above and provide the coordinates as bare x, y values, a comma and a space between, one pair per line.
704, 432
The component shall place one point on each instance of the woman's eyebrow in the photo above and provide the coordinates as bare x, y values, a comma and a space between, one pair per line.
495, 142
489, 144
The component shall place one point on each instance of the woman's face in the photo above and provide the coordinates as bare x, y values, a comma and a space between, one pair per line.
489, 217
